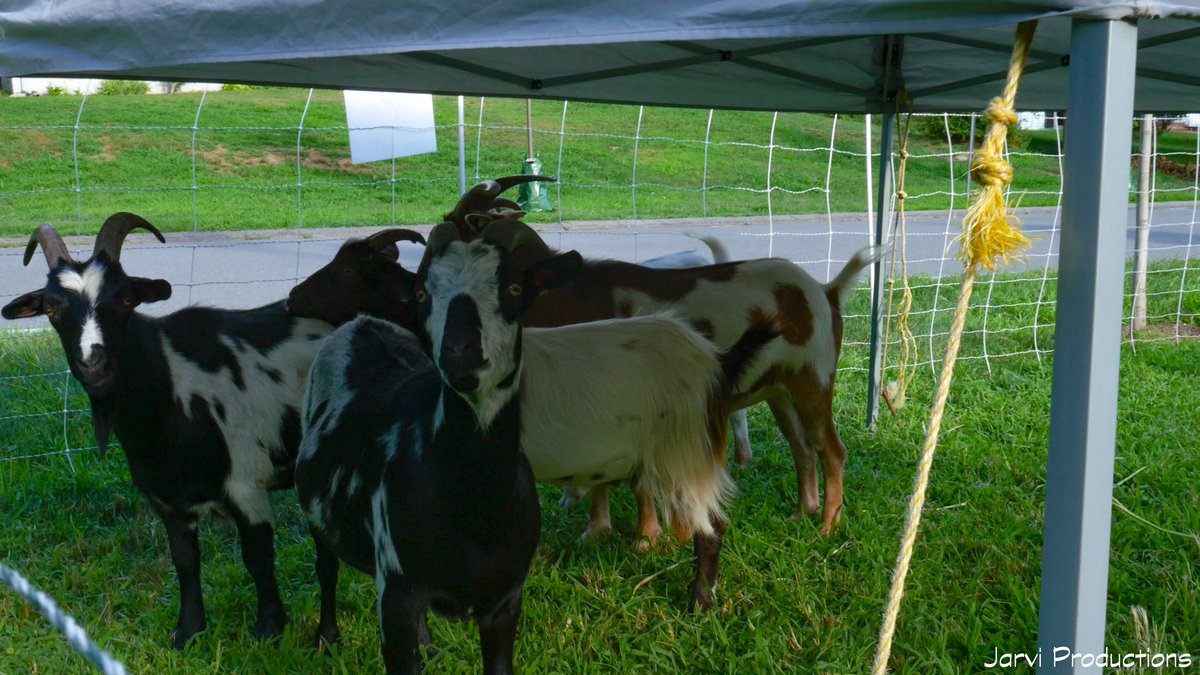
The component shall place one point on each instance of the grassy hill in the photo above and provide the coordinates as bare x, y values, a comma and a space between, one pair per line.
273, 158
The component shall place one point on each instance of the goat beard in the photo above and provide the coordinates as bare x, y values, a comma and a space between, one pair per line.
103, 412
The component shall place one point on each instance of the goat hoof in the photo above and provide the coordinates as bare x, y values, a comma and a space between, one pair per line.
597, 532
180, 636
832, 523
328, 640
268, 628
701, 600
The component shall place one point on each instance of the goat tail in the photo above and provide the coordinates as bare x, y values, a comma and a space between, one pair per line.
844, 282
720, 254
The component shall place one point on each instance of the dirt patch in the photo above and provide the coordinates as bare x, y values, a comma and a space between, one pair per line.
1159, 331
224, 160
38, 140
108, 149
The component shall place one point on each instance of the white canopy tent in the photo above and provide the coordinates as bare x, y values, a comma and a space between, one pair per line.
808, 55
850, 56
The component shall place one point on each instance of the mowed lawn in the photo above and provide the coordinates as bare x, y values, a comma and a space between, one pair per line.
274, 158
789, 600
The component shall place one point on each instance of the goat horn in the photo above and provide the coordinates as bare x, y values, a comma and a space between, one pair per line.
475, 199
506, 203
483, 195
113, 232
513, 234
52, 245
383, 238
507, 182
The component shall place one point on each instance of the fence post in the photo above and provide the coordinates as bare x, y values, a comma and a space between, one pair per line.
883, 215
1140, 252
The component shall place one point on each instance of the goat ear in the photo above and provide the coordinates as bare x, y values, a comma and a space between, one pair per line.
554, 271
149, 290
30, 304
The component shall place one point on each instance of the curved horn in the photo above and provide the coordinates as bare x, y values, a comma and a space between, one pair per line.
475, 199
506, 203
513, 234
113, 231
52, 245
383, 238
482, 196
507, 182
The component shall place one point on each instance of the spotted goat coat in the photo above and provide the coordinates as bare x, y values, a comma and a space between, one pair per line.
204, 401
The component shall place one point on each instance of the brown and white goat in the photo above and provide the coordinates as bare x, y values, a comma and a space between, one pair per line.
794, 373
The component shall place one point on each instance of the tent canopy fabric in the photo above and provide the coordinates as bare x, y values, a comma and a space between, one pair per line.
849, 56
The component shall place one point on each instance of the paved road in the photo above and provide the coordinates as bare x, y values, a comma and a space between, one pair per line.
249, 269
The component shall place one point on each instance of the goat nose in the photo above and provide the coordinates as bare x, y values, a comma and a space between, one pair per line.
95, 360
461, 346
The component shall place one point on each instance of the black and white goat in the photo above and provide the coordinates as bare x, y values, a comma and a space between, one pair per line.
204, 401
411, 469
642, 398
797, 370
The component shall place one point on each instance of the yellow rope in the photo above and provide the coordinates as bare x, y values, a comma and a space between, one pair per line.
896, 390
989, 232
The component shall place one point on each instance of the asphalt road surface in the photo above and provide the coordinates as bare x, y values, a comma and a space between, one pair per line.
247, 269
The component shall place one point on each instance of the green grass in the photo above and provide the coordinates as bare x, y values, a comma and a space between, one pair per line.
135, 153
789, 599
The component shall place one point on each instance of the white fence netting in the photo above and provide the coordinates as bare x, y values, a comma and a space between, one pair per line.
253, 190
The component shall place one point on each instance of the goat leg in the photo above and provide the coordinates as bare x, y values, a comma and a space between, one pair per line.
802, 454
401, 616
185, 553
648, 526
571, 495
742, 454
498, 634
258, 555
599, 518
327, 577
708, 555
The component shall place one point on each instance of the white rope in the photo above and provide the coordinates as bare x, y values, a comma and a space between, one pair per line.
74, 633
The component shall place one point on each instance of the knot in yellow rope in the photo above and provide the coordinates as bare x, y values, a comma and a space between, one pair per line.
998, 111
990, 230
992, 171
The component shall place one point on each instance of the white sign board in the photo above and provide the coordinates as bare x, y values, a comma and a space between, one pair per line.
384, 125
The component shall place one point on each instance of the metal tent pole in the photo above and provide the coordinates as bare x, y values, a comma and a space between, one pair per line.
1083, 407
883, 215
462, 150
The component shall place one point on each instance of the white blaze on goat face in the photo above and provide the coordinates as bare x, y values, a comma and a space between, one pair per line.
87, 285
472, 269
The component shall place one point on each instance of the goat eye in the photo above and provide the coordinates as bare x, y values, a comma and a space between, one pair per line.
515, 289
50, 312
127, 301
421, 295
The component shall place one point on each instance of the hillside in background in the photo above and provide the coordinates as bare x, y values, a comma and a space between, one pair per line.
273, 158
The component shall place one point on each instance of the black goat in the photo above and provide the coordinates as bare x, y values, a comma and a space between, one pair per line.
411, 469
204, 401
